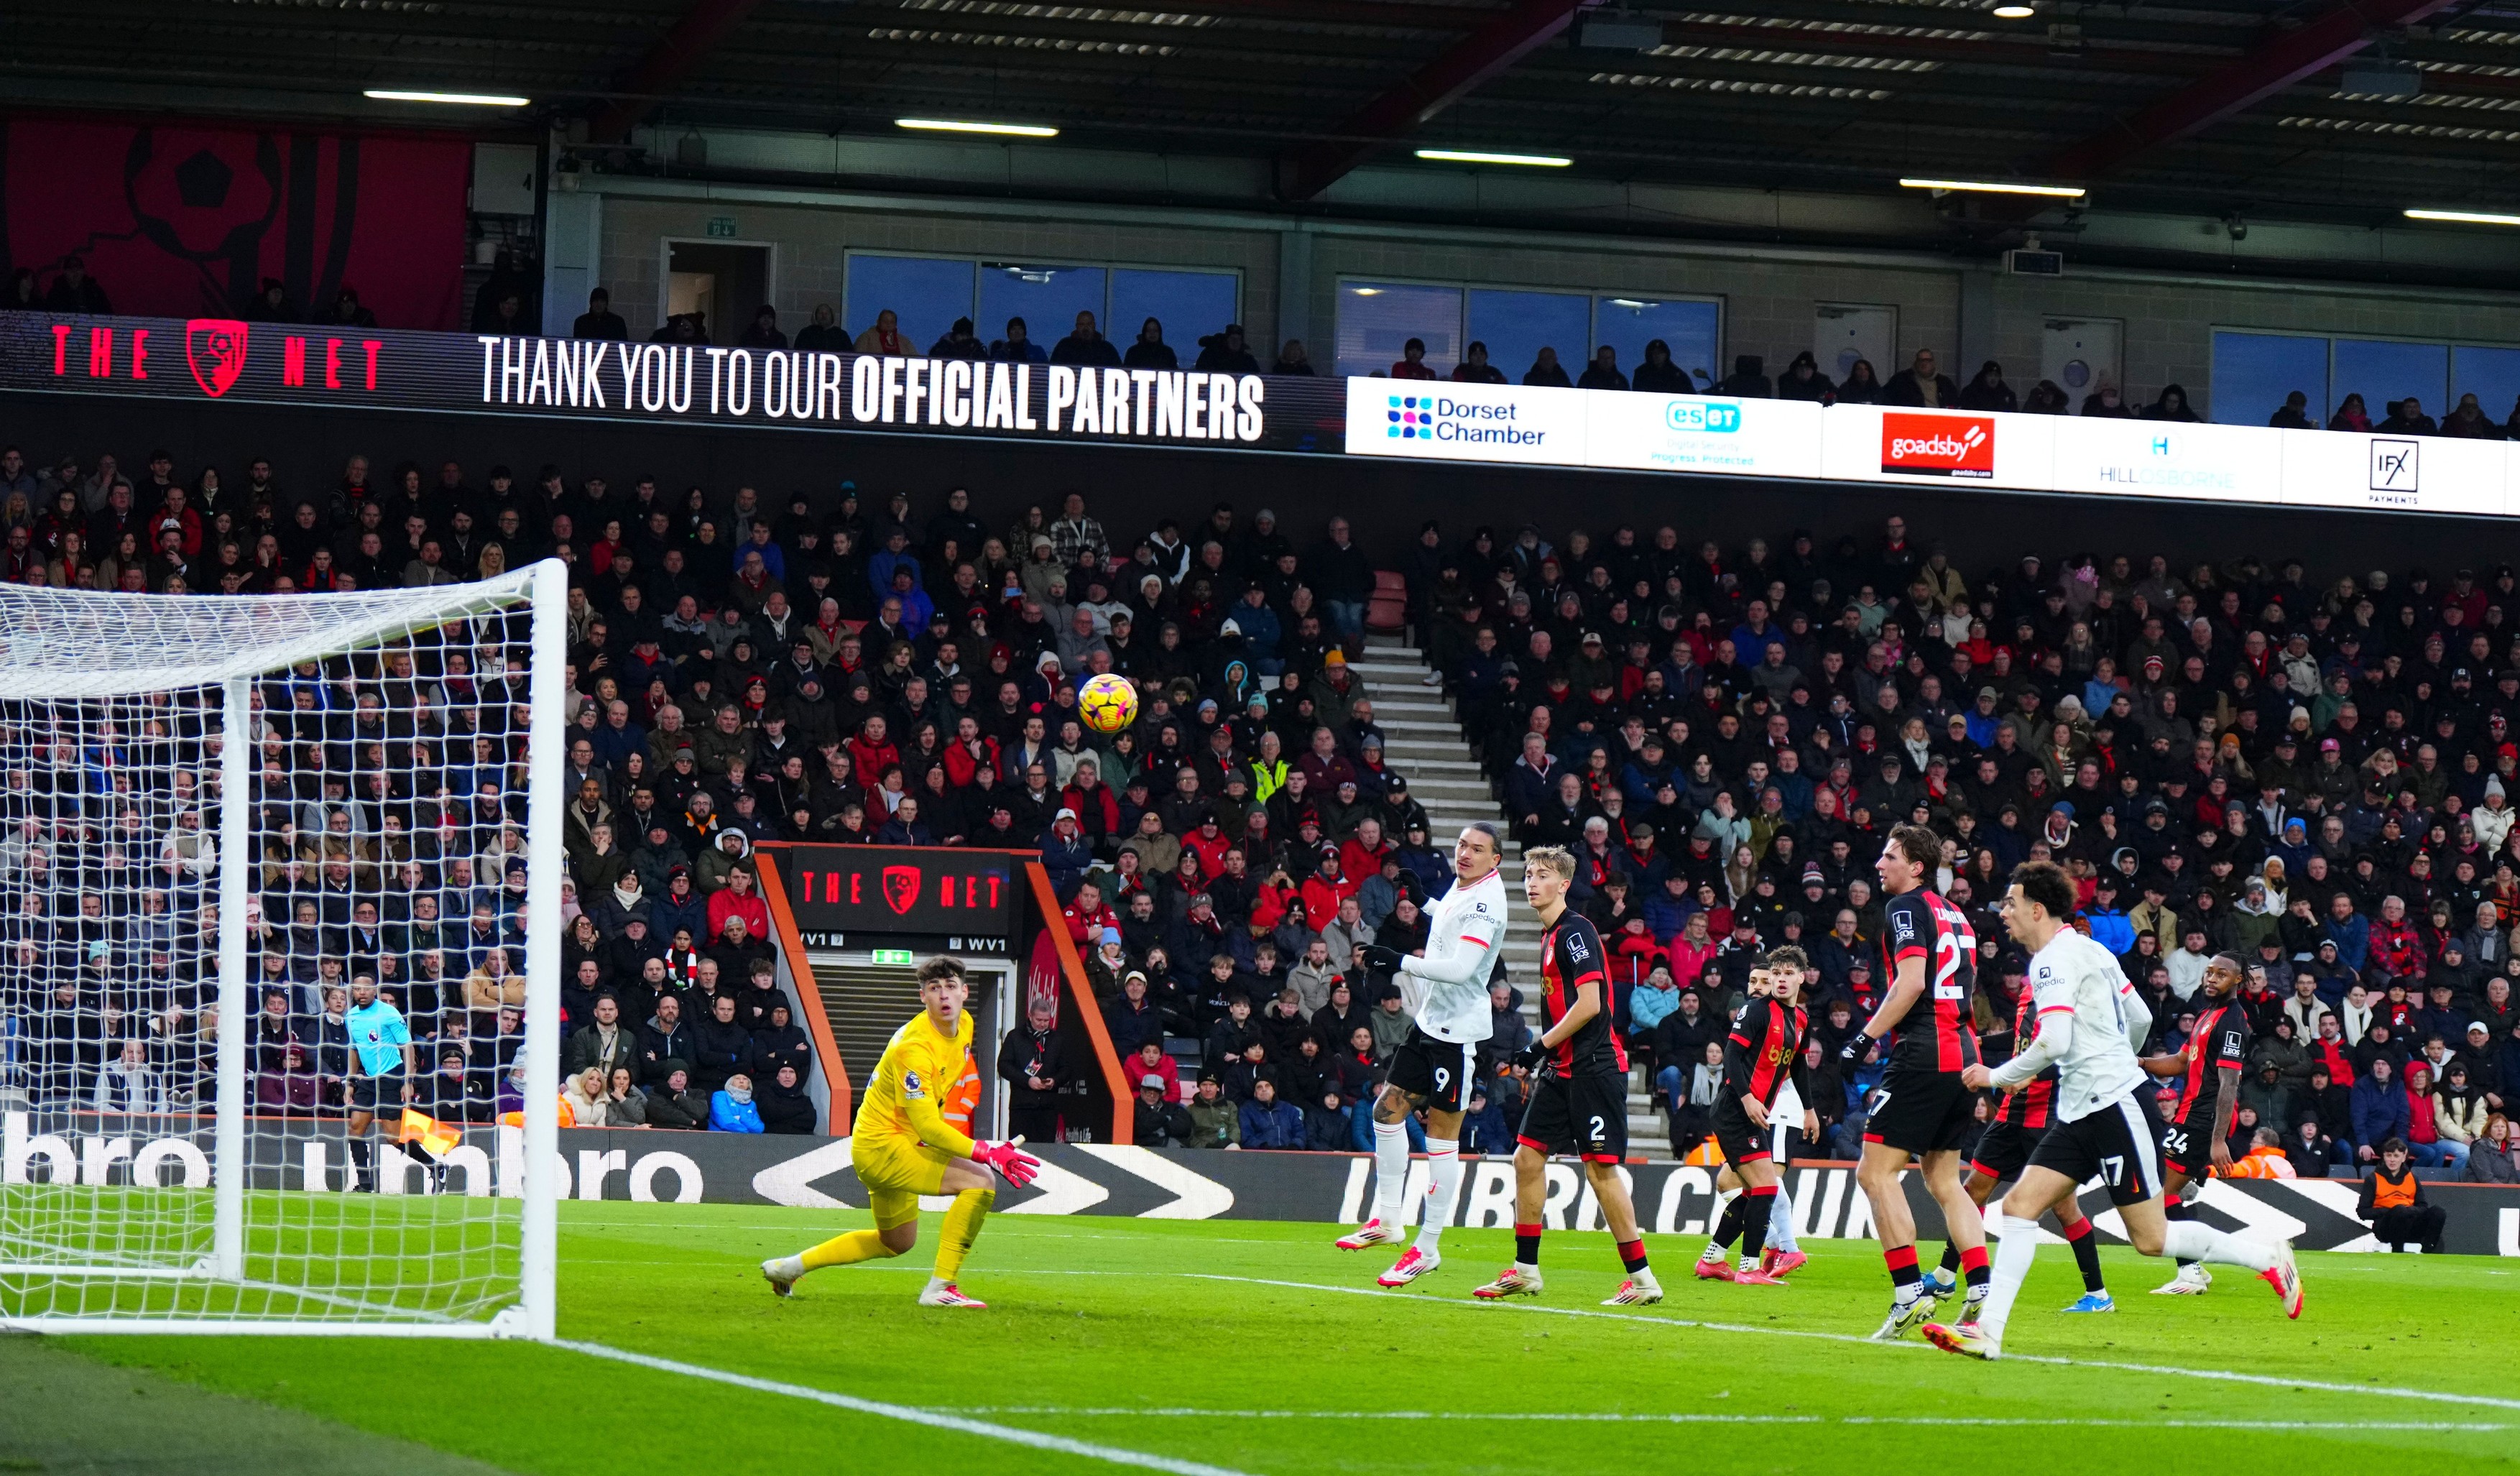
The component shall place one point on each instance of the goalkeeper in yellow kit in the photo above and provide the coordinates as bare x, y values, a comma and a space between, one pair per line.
903, 1147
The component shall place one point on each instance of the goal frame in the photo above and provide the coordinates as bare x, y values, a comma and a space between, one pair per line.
544, 585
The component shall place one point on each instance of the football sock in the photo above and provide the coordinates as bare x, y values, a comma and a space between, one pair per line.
844, 1250
1973, 1271
1761, 1199
962, 1227
1390, 1172
1905, 1284
1781, 1223
2177, 1210
363, 1163
2086, 1253
1728, 1228
1632, 1255
2192, 1240
1526, 1245
1951, 1266
2012, 1257
1444, 1168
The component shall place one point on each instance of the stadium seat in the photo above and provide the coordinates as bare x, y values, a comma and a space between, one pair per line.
1387, 608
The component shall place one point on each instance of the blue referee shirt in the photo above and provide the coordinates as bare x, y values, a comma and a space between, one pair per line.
377, 1035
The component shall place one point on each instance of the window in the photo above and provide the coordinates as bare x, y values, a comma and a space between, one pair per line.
2492, 374
1191, 305
1047, 297
1516, 326
1377, 319
1690, 327
2382, 372
2252, 373
925, 293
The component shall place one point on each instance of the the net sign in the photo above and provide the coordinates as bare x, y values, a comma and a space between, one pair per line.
1937, 445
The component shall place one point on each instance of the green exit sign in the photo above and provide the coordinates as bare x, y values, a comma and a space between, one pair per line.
900, 956
721, 225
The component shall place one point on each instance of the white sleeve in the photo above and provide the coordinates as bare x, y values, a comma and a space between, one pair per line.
2056, 1037
2138, 1016
1464, 951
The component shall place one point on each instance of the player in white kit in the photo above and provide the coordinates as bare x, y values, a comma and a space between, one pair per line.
2090, 1019
1446, 991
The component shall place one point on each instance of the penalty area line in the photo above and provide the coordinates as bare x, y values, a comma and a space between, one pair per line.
1698, 1417
933, 1419
2219, 1375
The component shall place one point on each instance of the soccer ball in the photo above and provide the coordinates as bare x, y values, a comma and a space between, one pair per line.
1107, 702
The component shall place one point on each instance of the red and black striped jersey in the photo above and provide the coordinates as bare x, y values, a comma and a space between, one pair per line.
1764, 1050
1570, 954
2222, 1038
2035, 1104
1935, 1034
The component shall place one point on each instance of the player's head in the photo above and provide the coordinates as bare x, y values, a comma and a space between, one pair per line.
1909, 857
2223, 976
1477, 852
1546, 871
942, 988
1786, 970
2039, 901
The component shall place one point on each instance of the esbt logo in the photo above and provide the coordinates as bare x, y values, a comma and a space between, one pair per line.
1702, 416
1937, 445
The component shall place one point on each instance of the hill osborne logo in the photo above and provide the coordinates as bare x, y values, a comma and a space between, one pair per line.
215, 348
1937, 445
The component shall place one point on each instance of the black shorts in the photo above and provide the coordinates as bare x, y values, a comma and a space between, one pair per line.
376, 1094
1921, 1111
1739, 1140
2004, 1150
2113, 1144
1584, 1115
1440, 1071
2189, 1148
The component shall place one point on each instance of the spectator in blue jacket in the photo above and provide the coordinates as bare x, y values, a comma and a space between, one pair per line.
1667, 912
1064, 853
1268, 1123
2352, 934
731, 1107
2111, 927
2379, 1109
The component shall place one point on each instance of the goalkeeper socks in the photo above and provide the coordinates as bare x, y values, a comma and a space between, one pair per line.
2192, 1240
2086, 1253
962, 1227
1443, 1194
1526, 1245
1390, 1172
2176, 1211
2012, 1257
1756, 1202
1781, 1223
845, 1251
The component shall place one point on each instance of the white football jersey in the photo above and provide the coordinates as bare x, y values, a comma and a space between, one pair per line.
1448, 988
2074, 973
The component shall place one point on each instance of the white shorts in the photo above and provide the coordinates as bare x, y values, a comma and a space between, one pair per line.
1785, 1116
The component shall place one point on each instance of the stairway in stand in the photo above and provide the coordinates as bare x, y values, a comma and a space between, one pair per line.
1423, 739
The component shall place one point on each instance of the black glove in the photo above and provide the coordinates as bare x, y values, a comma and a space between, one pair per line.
1853, 1052
1380, 960
1529, 1058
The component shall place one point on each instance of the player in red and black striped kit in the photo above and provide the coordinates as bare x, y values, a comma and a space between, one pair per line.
2197, 1143
2003, 1150
1579, 1094
1762, 1052
1920, 1107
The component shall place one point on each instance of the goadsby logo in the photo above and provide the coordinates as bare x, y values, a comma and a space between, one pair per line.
1703, 417
215, 348
1937, 445
1411, 419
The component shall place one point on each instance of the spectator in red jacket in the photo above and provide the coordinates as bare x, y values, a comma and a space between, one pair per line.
739, 899
1323, 891
2397, 947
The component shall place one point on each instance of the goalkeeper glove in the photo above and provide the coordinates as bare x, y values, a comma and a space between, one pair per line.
1381, 960
1019, 1167
1853, 1052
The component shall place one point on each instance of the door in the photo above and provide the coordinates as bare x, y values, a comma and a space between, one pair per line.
1845, 331
726, 281
2075, 354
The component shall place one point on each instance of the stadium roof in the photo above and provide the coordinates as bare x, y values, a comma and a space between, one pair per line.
2202, 107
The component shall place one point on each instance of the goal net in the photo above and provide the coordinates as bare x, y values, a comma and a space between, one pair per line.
280, 898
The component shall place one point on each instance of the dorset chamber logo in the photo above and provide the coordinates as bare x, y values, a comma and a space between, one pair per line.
1411, 419
1702, 416
1937, 445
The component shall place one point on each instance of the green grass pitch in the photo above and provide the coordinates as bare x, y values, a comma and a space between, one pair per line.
1258, 1348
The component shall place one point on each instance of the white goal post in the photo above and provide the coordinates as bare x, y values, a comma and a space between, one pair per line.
225, 821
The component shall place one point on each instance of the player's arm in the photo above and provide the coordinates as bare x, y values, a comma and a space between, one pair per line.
1741, 1052
1907, 986
2055, 1037
2137, 1014
2172, 1064
1465, 958
1800, 1075
2226, 1093
1588, 1005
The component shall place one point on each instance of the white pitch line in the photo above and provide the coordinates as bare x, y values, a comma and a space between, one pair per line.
2263, 1380
933, 1419
1693, 1418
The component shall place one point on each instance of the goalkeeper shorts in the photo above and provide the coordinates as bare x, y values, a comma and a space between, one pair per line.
895, 1174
